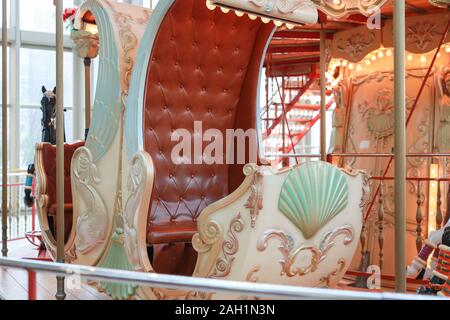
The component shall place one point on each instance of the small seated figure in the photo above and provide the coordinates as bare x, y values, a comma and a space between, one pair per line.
442, 271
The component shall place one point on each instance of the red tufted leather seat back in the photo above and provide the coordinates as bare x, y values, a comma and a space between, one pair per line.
49, 163
204, 67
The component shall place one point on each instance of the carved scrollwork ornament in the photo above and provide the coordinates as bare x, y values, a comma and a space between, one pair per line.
229, 249
92, 223
290, 255
440, 3
343, 8
255, 201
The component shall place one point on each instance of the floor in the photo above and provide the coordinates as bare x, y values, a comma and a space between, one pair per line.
14, 282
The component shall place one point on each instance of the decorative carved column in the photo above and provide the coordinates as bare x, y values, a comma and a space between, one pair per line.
380, 225
439, 217
87, 46
447, 213
419, 218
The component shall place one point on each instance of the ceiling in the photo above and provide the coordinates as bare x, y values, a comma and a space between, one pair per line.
301, 45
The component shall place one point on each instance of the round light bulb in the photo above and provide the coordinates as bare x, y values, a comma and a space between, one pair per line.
209, 5
290, 26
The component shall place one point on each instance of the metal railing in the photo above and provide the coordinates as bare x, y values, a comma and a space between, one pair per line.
21, 219
202, 284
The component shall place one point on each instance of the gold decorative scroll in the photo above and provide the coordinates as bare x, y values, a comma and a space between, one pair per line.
289, 11
440, 3
342, 8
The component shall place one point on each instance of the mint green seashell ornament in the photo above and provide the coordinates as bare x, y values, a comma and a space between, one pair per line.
312, 195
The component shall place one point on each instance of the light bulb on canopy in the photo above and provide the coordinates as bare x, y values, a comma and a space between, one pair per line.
279, 11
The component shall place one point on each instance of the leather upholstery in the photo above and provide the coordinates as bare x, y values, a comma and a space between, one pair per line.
49, 163
204, 67
89, 18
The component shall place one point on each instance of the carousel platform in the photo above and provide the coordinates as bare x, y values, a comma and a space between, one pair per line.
14, 282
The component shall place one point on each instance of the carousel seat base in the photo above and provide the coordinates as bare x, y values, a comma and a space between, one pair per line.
173, 258
68, 214
171, 232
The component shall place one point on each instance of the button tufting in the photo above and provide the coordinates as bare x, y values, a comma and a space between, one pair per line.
189, 84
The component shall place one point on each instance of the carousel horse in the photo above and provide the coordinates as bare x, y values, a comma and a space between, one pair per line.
418, 268
44, 171
48, 120
441, 273
48, 102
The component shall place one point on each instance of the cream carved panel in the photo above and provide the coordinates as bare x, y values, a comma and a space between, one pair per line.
249, 234
423, 32
343, 8
371, 131
97, 168
356, 43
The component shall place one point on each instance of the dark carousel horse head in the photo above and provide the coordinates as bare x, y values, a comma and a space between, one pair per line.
48, 103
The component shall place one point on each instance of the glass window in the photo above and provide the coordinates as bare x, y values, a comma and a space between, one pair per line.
9, 139
150, 3
37, 69
8, 76
30, 134
39, 15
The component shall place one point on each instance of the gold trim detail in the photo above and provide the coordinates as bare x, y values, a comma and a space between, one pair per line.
318, 254
230, 247
255, 201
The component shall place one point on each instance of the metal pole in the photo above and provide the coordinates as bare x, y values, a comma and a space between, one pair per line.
4, 131
60, 294
323, 97
400, 146
154, 280
87, 94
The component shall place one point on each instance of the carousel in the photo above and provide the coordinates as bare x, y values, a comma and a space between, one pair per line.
188, 170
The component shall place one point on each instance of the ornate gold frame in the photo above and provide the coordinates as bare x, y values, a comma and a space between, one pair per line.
42, 200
